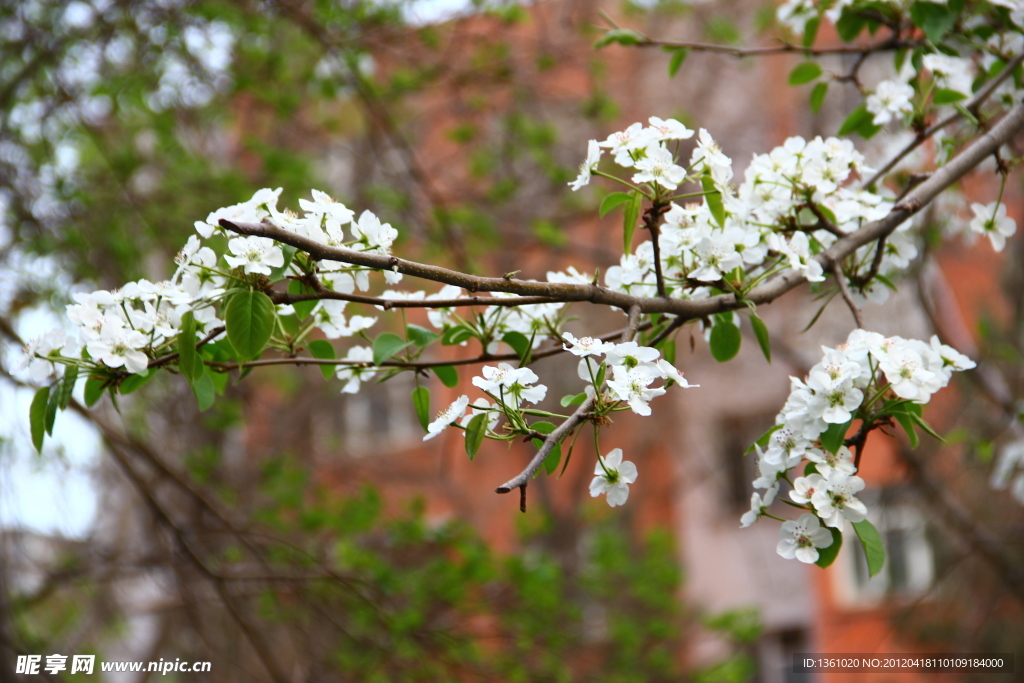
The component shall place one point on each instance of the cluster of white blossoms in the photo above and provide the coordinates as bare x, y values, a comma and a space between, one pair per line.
794, 202
624, 376
988, 42
848, 383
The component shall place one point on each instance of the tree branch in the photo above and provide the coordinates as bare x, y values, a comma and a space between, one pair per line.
915, 200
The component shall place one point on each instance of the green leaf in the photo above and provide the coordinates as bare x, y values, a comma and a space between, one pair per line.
827, 556
763, 339
302, 308
448, 375
421, 336
613, 200
67, 385
187, 356
37, 417
204, 390
678, 56
857, 118
456, 335
573, 400
133, 383
622, 36
944, 96
543, 427
713, 198
818, 96
94, 388
935, 20
966, 113
249, 318
927, 428
805, 72
833, 437
219, 379
763, 440
810, 468
668, 350
519, 343
725, 341
874, 549
811, 31
554, 457
387, 345
324, 350
51, 408
421, 401
629, 220
475, 432
849, 26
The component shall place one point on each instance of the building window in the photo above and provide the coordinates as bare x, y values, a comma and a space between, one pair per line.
737, 433
909, 563
379, 418
775, 651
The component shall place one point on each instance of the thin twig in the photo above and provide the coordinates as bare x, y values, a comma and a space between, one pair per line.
581, 414
837, 272
785, 48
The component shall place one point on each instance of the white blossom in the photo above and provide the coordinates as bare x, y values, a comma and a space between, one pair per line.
587, 167
447, 416
613, 478
991, 220
802, 538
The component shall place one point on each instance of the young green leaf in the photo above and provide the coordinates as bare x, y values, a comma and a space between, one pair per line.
37, 417
613, 200
456, 335
67, 385
52, 404
713, 198
944, 96
573, 400
554, 457
761, 332
475, 432
519, 343
833, 437
387, 345
725, 341
857, 118
421, 401
133, 383
763, 440
622, 36
187, 357
629, 220
676, 61
204, 390
448, 375
94, 388
421, 336
874, 549
827, 556
302, 308
805, 72
249, 319
818, 96
324, 350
